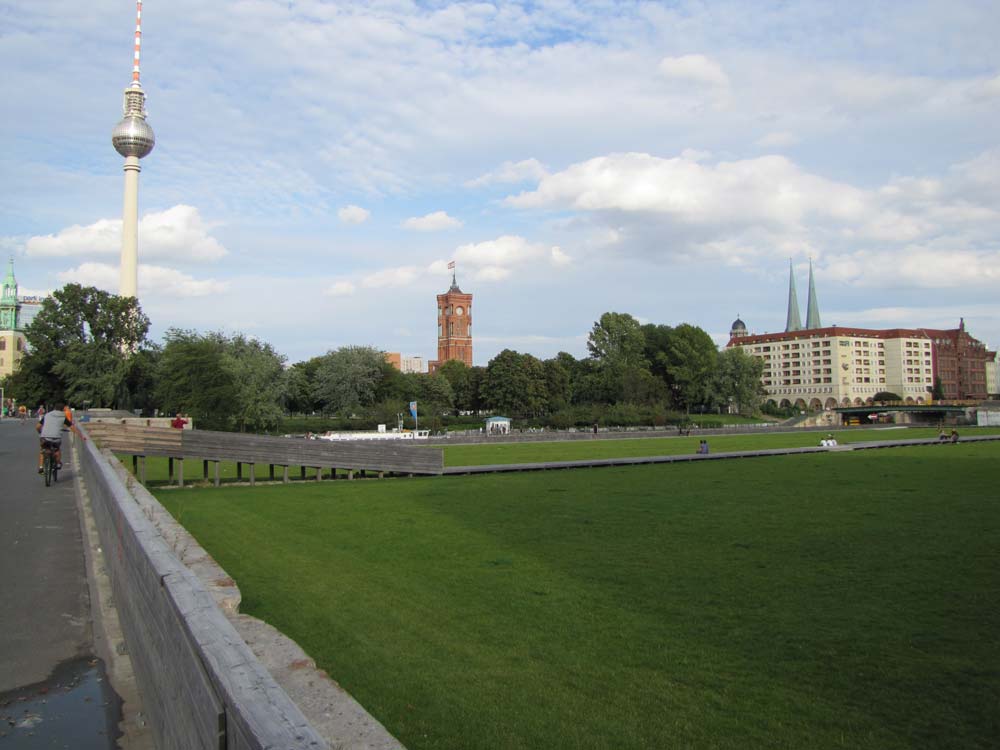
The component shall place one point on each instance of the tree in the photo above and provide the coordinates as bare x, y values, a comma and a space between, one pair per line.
557, 384
458, 375
258, 376
193, 377
737, 380
690, 360
515, 384
80, 347
348, 378
298, 395
616, 341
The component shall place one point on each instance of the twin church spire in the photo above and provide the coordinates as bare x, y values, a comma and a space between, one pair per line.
794, 321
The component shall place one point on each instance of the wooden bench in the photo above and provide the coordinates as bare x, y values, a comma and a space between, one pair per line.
209, 446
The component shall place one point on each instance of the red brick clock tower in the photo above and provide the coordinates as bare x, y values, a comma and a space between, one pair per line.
454, 327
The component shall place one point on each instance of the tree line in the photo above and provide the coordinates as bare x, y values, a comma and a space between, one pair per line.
91, 349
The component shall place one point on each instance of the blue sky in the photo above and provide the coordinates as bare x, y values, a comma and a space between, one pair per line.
319, 163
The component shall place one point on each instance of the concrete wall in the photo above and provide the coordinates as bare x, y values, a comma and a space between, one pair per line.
201, 685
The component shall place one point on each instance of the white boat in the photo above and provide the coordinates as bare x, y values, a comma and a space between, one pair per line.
404, 435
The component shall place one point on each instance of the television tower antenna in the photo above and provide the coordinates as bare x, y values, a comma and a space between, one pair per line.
132, 138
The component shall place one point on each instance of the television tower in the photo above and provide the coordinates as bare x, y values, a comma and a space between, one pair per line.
132, 138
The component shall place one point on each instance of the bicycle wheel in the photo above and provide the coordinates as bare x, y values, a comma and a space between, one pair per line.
48, 467
55, 470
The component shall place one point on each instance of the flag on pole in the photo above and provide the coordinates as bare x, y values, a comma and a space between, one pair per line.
413, 409
451, 266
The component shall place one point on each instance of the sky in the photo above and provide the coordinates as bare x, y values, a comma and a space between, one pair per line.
318, 164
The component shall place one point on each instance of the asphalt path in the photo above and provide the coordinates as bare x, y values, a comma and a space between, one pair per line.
47, 645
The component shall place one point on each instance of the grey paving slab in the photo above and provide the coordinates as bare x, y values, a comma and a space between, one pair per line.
47, 645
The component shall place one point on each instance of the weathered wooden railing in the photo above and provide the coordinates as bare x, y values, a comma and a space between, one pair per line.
214, 447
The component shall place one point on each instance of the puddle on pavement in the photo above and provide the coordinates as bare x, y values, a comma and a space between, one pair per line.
75, 708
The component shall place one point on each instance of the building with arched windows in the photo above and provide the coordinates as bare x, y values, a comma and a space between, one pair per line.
815, 367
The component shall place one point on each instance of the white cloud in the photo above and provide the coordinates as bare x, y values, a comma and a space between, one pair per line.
154, 281
694, 69
391, 277
496, 260
176, 234
918, 267
432, 222
777, 139
511, 172
353, 214
340, 289
769, 189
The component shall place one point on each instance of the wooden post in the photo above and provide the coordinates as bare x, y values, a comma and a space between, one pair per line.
253, 474
204, 469
239, 470
271, 472
319, 474
350, 473
217, 480
284, 474
381, 475
170, 470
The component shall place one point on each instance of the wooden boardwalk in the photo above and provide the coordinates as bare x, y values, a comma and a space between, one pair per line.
686, 457
213, 447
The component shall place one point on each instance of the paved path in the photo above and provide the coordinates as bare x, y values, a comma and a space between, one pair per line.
47, 650
684, 457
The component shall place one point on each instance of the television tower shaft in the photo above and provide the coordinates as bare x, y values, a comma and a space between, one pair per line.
132, 138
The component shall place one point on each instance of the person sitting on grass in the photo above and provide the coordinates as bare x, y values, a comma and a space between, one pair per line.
50, 430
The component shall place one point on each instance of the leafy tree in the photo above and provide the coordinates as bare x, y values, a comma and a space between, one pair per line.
80, 347
737, 380
617, 343
515, 384
348, 378
557, 384
257, 373
937, 392
617, 340
690, 361
298, 396
194, 377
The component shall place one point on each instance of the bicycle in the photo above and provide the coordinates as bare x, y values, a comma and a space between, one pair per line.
50, 467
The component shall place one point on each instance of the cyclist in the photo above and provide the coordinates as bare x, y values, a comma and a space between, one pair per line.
50, 429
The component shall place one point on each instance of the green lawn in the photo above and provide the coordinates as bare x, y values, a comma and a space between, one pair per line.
515, 453
844, 600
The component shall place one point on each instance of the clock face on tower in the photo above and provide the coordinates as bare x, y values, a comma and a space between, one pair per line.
459, 311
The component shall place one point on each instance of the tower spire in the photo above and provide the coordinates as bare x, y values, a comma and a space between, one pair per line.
812, 307
794, 319
138, 42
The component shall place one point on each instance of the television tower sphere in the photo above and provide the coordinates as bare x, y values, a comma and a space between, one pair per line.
133, 137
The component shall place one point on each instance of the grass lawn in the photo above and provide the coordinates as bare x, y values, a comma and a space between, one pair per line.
516, 453
847, 600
